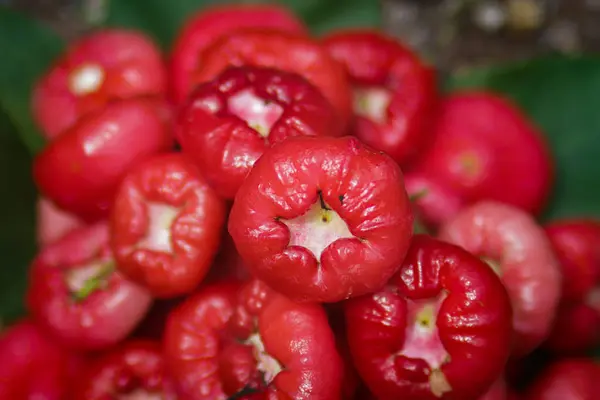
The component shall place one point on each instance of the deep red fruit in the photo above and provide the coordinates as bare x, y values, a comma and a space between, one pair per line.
577, 247
81, 170
210, 24
76, 293
498, 391
576, 243
483, 144
322, 219
285, 51
33, 366
230, 121
440, 329
104, 66
52, 223
153, 325
394, 91
516, 247
225, 339
166, 225
133, 370
434, 202
568, 379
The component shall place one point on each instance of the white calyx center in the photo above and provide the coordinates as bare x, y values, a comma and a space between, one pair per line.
422, 340
86, 79
316, 229
258, 113
160, 220
266, 364
372, 103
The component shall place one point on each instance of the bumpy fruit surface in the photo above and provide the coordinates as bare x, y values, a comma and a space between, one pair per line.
322, 219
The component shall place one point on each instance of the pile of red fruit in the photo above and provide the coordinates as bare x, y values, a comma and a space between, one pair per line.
238, 224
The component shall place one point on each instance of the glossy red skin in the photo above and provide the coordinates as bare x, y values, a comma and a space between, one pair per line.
170, 180
485, 161
284, 184
132, 67
52, 223
285, 51
132, 366
33, 366
224, 146
576, 243
435, 202
103, 318
567, 379
376, 325
80, 171
373, 59
205, 350
212, 23
512, 239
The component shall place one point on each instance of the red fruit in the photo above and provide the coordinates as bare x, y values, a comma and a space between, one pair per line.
76, 293
225, 339
440, 329
134, 370
483, 146
104, 66
210, 24
230, 121
153, 325
568, 379
166, 225
81, 170
516, 247
285, 51
498, 391
434, 202
576, 243
394, 91
54, 223
33, 366
322, 219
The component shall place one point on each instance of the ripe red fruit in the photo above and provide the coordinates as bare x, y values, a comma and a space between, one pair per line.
516, 247
104, 66
433, 201
33, 366
210, 24
285, 51
166, 225
76, 293
394, 91
322, 219
230, 121
576, 243
497, 391
133, 370
482, 146
440, 329
224, 339
567, 379
52, 223
81, 170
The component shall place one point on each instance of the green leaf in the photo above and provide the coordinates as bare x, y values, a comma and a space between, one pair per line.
28, 48
562, 95
163, 20
17, 216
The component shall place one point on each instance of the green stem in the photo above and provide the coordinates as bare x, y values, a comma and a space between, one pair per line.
94, 283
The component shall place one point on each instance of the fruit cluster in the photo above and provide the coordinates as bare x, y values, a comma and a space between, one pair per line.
273, 215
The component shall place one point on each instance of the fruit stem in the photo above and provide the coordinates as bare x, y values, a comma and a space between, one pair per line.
95, 282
